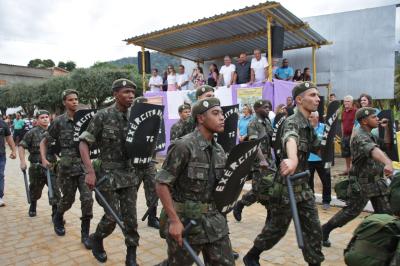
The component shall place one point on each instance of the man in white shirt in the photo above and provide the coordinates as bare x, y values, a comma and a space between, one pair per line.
182, 79
259, 67
156, 81
227, 72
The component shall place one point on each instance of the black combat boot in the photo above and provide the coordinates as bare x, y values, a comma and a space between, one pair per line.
85, 227
131, 256
152, 220
237, 211
59, 224
53, 212
314, 264
32, 209
326, 230
97, 248
252, 257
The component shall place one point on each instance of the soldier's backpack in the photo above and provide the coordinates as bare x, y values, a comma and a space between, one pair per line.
374, 242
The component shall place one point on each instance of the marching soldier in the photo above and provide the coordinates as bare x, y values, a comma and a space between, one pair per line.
108, 129
37, 175
366, 177
298, 138
259, 127
177, 128
186, 184
70, 173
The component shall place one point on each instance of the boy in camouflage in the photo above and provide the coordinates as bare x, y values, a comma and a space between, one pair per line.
70, 172
186, 184
37, 175
108, 130
369, 165
298, 139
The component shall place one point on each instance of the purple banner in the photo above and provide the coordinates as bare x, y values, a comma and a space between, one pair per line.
276, 91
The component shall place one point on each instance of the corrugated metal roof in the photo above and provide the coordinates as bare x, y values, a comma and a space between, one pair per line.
230, 33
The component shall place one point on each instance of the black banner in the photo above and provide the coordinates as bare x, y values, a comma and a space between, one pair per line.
237, 168
327, 142
145, 120
390, 149
161, 139
81, 122
227, 139
276, 143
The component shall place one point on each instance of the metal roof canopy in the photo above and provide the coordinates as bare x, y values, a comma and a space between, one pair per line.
230, 33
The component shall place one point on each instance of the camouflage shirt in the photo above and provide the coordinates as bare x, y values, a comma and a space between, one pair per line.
61, 131
261, 128
31, 142
191, 170
108, 129
188, 126
299, 128
363, 165
177, 130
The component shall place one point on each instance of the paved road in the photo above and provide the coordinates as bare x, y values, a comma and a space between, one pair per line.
32, 241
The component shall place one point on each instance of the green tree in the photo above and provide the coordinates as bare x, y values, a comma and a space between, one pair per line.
61, 64
70, 65
38, 63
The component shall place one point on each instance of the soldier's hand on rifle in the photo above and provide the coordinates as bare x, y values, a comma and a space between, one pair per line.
288, 167
46, 164
175, 230
388, 170
23, 165
90, 180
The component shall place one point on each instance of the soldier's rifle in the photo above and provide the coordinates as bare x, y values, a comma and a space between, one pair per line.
49, 183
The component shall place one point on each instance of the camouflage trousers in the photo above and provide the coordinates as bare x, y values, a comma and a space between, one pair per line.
123, 202
251, 196
277, 224
217, 253
356, 205
37, 180
69, 185
148, 176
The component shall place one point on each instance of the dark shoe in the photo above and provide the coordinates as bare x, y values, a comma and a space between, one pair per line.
237, 211
152, 220
85, 227
32, 209
53, 212
314, 264
250, 260
58, 224
326, 230
235, 255
97, 248
131, 256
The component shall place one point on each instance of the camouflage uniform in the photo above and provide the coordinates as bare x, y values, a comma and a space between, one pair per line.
298, 128
70, 172
366, 176
177, 130
37, 175
147, 174
191, 170
108, 130
258, 128
187, 127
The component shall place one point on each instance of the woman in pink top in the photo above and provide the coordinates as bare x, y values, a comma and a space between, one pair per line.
171, 79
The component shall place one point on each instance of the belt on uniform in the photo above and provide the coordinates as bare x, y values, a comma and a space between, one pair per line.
204, 207
116, 165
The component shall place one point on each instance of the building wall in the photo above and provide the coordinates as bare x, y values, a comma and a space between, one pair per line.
361, 58
11, 74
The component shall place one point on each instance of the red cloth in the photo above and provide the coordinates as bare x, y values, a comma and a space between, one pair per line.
348, 121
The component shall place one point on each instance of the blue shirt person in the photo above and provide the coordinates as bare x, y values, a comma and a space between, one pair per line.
244, 121
285, 72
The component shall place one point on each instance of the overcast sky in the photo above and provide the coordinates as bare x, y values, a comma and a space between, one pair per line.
86, 31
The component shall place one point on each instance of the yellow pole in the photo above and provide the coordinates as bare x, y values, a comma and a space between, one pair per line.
143, 71
314, 63
269, 48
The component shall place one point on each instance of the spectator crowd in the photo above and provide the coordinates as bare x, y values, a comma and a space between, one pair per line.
241, 72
